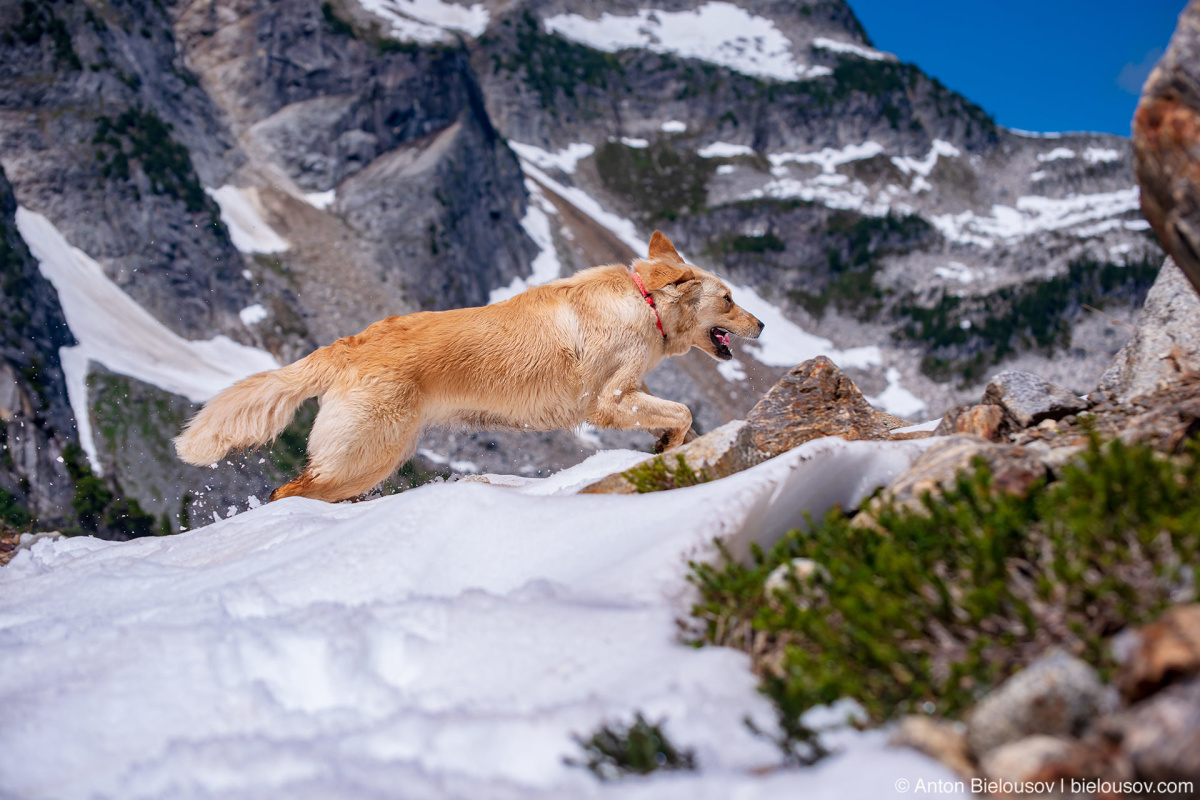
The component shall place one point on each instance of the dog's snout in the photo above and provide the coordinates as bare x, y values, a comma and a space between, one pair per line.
761, 325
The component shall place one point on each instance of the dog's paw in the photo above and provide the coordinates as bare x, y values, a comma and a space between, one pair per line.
663, 443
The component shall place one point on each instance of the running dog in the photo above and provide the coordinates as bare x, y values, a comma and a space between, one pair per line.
570, 351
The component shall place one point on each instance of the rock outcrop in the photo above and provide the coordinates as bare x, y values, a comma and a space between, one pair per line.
813, 400
1166, 132
1166, 343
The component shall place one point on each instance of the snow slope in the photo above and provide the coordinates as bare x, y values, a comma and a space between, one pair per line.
113, 330
441, 643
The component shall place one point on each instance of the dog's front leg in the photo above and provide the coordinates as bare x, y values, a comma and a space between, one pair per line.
663, 436
621, 406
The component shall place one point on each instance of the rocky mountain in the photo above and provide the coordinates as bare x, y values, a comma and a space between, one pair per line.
230, 183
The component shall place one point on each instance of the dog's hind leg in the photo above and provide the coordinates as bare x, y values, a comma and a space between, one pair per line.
356, 442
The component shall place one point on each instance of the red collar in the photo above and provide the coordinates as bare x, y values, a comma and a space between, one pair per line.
646, 296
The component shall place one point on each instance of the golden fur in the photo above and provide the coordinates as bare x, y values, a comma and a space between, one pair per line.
566, 352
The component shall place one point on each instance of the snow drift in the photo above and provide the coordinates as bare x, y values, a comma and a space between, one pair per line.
445, 642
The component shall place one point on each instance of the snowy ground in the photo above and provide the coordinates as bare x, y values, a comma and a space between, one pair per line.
445, 642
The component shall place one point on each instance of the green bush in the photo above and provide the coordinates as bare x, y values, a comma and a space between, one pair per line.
655, 476
926, 608
167, 164
662, 182
554, 67
636, 749
12, 512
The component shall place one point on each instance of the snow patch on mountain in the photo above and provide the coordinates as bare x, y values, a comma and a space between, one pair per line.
847, 48
724, 150
895, 399
1100, 155
113, 330
1034, 214
429, 21
564, 160
248, 231
828, 158
718, 32
783, 343
833, 190
321, 200
1056, 154
546, 266
920, 168
618, 226
252, 314
449, 640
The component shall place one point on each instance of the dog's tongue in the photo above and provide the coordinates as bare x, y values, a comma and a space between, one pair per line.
723, 338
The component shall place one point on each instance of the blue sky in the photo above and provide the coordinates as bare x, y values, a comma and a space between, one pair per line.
1039, 65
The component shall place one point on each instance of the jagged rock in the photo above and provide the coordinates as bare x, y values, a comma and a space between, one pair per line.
986, 421
1056, 695
1160, 736
1164, 651
813, 400
728, 449
1165, 344
943, 741
1166, 132
1028, 759
1028, 399
1014, 468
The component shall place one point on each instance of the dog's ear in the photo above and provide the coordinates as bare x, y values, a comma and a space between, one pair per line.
658, 274
661, 248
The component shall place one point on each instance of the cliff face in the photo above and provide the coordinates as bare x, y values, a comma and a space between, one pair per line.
35, 419
283, 174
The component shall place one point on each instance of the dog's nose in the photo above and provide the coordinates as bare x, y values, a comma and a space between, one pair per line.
760, 326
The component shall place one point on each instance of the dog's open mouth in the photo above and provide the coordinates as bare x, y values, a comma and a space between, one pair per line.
720, 340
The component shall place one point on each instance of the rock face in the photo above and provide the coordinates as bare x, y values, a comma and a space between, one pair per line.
1166, 343
1057, 695
1028, 399
1166, 131
35, 419
813, 400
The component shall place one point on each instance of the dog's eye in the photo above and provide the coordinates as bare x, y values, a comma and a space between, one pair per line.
729, 299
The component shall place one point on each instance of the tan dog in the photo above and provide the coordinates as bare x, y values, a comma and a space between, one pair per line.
566, 352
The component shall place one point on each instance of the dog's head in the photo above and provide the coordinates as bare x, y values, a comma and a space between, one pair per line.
696, 306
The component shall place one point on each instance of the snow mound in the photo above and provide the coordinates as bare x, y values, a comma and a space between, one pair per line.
448, 640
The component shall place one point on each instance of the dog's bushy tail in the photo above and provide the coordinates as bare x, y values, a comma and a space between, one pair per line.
252, 411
